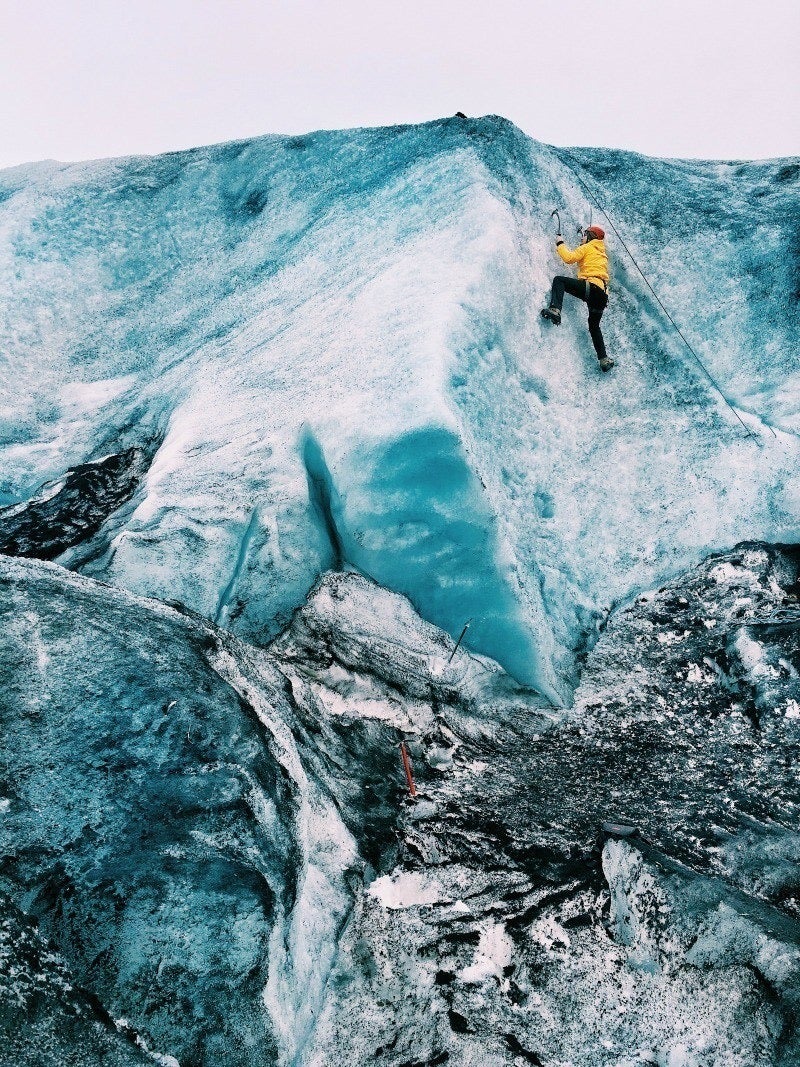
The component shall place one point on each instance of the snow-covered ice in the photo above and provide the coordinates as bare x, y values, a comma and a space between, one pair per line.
292, 402
331, 344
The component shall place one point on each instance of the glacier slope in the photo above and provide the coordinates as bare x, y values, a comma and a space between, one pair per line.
186, 823
329, 349
158, 824
216, 839
513, 928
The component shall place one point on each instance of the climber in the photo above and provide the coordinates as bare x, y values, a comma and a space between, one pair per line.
591, 285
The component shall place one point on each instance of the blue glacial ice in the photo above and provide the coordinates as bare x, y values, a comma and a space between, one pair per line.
272, 386
329, 351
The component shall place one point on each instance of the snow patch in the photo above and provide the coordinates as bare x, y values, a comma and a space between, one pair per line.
492, 955
724, 573
406, 889
89, 396
549, 933
753, 657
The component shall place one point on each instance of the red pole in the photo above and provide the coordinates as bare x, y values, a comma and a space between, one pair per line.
407, 768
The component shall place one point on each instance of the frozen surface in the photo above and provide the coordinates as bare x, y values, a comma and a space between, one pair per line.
159, 826
512, 929
216, 843
291, 401
326, 350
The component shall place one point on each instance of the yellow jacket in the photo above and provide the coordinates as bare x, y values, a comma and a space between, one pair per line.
591, 259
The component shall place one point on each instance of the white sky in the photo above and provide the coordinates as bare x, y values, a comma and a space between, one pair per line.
81, 79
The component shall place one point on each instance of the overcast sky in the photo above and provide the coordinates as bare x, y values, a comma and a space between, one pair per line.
81, 79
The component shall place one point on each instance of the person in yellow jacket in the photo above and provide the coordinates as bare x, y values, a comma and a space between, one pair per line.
591, 285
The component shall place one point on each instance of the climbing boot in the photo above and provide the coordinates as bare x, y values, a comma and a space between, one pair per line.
606, 364
553, 314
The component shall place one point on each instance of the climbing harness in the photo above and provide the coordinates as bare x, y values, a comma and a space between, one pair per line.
656, 297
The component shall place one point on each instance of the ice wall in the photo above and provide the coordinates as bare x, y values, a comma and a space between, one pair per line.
330, 347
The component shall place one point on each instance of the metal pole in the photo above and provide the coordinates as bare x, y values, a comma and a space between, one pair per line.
407, 768
460, 639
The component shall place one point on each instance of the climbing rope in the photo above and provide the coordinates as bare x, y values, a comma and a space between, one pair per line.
656, 297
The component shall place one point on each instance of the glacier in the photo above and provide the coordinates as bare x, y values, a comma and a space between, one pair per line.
209, 855
358, 312
278, 420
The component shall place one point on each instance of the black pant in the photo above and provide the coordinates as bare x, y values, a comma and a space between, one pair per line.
594, 295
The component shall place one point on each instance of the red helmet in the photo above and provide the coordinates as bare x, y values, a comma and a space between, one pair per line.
595, 231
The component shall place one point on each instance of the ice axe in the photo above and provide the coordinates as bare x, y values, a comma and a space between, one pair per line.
580, 229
